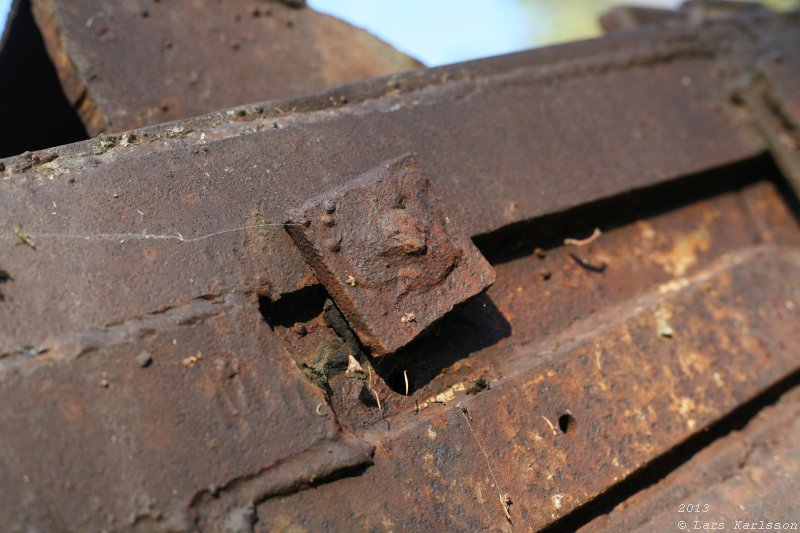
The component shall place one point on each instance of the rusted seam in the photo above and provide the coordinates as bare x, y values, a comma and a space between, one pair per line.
73, 346
316, 464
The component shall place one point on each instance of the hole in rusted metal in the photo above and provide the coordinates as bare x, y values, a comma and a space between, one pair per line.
663, 465
566, 423
294, 308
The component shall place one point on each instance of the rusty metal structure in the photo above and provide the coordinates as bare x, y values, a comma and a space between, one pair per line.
552, 290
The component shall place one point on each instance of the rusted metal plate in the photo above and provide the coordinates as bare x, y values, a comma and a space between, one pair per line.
392, 260
571, 413
156, 424
126, 65
185, 210
748, 480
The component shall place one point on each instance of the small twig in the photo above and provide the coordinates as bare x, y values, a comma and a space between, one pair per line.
405, 377
504, 499
600, 268
375, 394
22, 237
583, 242
552, 427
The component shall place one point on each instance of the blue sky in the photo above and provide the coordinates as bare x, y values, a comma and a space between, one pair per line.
4, 6
438, 32
446, 31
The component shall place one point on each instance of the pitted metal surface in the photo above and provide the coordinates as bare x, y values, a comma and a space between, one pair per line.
170, 360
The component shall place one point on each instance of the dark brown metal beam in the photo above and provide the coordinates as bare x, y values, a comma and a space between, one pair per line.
128, 65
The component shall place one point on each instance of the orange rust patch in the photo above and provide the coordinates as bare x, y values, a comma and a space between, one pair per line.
683, 254
72, 409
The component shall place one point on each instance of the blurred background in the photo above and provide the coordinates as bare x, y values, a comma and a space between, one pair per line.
438, 32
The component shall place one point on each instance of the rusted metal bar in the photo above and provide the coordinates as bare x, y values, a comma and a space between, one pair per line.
746, 480
134, 426
127, 65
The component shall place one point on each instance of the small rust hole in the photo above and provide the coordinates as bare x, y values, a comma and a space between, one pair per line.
566, 423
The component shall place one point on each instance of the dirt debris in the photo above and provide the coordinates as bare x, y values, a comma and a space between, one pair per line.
20, 237
192, 360
144, 359
481, 384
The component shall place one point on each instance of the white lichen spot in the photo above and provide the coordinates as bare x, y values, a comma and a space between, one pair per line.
557, 500
431, 433
673, 286
663, 326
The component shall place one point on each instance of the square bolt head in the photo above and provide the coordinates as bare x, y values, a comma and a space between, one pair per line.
388, 254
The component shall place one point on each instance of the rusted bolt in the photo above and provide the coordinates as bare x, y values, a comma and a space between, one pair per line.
407, 231
328, 220
398, 251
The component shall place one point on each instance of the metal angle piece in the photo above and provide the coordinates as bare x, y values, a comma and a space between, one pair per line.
385, 249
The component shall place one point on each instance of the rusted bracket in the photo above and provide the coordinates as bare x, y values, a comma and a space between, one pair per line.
387, 252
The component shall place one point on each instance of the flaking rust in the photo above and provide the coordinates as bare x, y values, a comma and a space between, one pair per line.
384, 248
